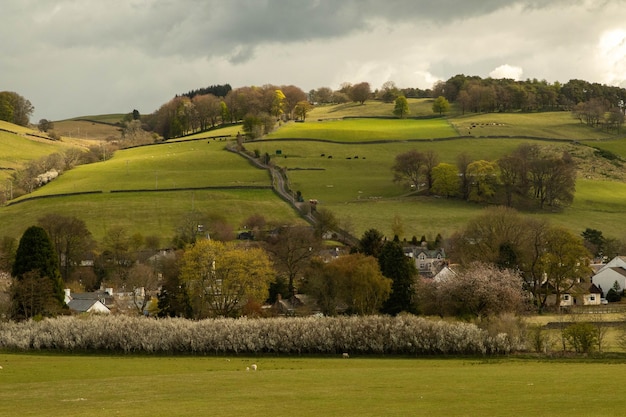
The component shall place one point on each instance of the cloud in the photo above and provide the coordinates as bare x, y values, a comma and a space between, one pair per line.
507, 71
101, 56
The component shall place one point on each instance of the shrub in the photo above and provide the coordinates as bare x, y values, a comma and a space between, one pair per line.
582, 337
404, 334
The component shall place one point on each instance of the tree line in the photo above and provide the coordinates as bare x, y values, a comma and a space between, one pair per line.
531, 175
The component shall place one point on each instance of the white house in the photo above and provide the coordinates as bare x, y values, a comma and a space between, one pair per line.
428, 262
88, 302
582, 294
613, 271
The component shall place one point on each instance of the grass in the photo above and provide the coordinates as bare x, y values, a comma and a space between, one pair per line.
362, 194
86, 130
360, 130
550, 125
359, 191
172, 165
149, 213
16, 150
75, 385
371, 108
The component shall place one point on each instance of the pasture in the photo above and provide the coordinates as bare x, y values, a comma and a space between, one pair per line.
172, 165
362, 194
365, 130
356, 183
81, 385
150, 213
16, 150
371, 108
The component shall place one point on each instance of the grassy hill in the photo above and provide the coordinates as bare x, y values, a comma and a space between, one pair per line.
18, 145
356, 183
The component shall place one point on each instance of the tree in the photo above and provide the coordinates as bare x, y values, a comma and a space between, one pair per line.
480, 291
293, 97
173, 297
143, 281
322, 284
594, 241
553, 180
389, 92
15, 108
70, 237
278, 103
441, 105
431, 159
292, 250
483, 180
325, 221
446, 181
565, 262
45, 125
401, 108
394, 264
221, 278
360, 92
302, 109
362, 287
409, 166
36, 265
371, 243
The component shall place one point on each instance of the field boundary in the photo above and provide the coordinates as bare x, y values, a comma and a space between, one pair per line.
207, 188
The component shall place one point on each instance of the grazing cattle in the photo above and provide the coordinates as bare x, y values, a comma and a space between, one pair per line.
330, 157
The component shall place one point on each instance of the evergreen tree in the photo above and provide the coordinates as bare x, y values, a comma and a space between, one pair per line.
371, 243
401, 269
36, 260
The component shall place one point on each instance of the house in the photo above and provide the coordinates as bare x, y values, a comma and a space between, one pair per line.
582, 294
89, 302
427, 261
614, 271
445, 273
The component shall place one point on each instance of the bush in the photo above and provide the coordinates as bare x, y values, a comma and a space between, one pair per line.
404, 335
582, 337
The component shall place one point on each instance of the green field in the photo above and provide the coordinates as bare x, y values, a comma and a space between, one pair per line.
172, 165
16, 150
360, 191
150, 213
371, 108
75, 385
366, 130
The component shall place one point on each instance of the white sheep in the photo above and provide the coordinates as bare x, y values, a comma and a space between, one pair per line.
345, 355
253, 366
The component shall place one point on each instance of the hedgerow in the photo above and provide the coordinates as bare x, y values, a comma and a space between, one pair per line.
405, 335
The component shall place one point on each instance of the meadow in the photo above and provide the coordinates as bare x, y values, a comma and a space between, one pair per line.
16, 149
81, 385
365, 130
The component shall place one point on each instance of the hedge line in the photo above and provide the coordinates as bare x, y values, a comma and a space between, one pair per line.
405, 335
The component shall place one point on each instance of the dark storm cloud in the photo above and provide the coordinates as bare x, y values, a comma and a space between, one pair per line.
233, 28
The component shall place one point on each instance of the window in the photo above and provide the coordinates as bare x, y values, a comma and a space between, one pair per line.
566, 297
592, 298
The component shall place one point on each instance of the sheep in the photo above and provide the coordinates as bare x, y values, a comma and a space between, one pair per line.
345, 355
247, 368
253, 366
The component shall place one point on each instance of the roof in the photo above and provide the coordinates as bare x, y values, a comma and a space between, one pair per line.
83, 306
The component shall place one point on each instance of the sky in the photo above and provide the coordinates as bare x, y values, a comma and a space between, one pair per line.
85, 57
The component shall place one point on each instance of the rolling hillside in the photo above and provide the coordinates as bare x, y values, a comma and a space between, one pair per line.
163, 182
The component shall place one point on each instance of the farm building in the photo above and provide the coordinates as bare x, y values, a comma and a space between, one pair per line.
614, 271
